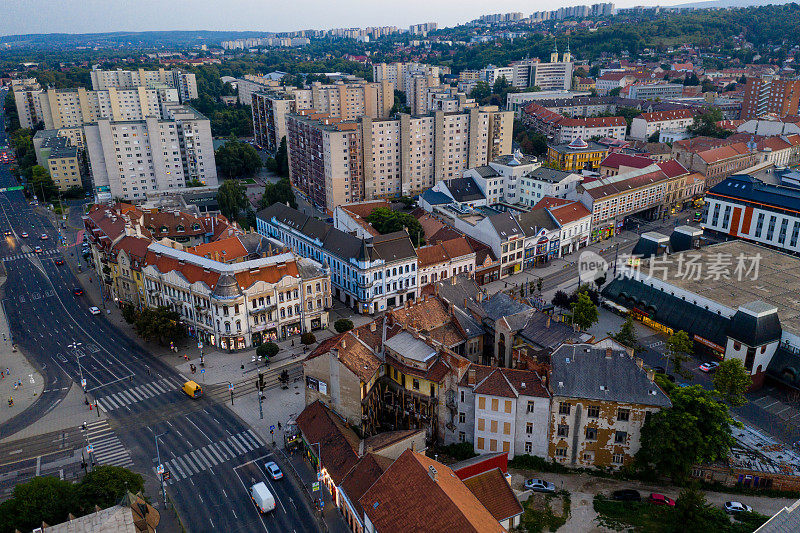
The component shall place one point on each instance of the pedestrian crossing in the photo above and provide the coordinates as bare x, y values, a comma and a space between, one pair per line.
51, 251
137, 394
211, 455
107, 448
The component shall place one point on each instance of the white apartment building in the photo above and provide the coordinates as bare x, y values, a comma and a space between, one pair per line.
517, 101
503, 410
238, 305
26, 98
490, 74
447, 99
443, 260
184, 82
396, 73
653, 91
553, 76
675, 121
501, 179
131, 159
591, 128
249, 84
416, 86
547, 182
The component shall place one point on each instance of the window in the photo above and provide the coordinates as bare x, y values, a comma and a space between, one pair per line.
620, 437
481, 424
462, 396
563, 430
506, 428
531, 405
529, 428
593, 411
563, 408
508, 406
462, 418
561, 452
623, 415
588, 457
492, 445
528, 446
480, 443
495, 404
462, 437
759, 224
482, 403
506, 446
415, 384
618, 459
493, 426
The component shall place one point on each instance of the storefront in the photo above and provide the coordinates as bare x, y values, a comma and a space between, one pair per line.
232, 343
291, 329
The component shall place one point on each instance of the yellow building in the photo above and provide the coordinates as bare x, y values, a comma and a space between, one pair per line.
583, 84
577, 155
59, 156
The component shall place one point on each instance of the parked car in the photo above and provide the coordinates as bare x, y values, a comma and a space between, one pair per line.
626, 495
660, 499
8, 233
737, 507
24, 234
44, 236
59, 261
539, 485
709, 366
273, 470
77, 291
37, 249
94, 310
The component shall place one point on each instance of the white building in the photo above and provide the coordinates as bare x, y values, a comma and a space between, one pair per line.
26, 97
675, 121
184, 82
546, 182
501, 179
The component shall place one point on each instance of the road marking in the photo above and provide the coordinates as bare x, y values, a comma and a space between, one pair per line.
770, 405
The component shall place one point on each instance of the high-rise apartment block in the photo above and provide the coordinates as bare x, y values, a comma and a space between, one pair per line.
553, 76
26, 97
130, 159
396, 73
417, 83
347, 101
184, 82
770, 96
422, 29
335, 162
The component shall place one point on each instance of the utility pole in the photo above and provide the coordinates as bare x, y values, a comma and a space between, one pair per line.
74, 346
230, 389
616, 253
161, 468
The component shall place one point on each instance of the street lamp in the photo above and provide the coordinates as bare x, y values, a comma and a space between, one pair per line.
74, 346
161, 467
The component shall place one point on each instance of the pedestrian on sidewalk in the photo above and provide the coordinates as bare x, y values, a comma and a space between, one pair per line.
10, 401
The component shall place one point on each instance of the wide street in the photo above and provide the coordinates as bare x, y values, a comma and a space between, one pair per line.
212, 455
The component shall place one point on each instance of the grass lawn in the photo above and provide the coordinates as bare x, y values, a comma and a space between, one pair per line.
248, 181
545, 512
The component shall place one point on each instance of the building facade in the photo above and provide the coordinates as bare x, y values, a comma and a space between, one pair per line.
770, 96
185, 83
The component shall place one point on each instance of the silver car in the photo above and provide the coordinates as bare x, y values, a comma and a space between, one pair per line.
737, 507
539, 485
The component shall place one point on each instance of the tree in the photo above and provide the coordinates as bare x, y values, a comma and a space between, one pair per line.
278, 193
679, 351
615, 91
584, 312
43, 499
600, 281
161, 324
691, 79
692, 508
731, 381
501, 85
282, 159
237, 159
481, 91
627, 334
106, 485
561, 299
696, 429
386, 221
342, 325
267, 350
284, 379
654, 137
308, 338
705, 124
232, 198
41, 184
539, 283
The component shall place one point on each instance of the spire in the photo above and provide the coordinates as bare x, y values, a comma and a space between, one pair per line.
363, 253
567, 50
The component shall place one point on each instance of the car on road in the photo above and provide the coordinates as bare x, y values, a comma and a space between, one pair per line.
659, 499
59, 261
24, 234
626, 495
77, 291
710, 366
37, 249
94, 310
737, 507
273, 470
44, 236
8, 233
262, 497
539, 485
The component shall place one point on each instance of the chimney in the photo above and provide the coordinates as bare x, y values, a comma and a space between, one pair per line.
413, 446
651, 374
639, 362
432, 472
609, 353
344, 343
361, 448
465, 302
548, 322
372, 326
471, 376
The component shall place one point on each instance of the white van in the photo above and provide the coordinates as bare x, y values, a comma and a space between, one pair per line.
262, 497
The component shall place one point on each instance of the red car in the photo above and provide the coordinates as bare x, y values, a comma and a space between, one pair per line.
660, 499
59, 261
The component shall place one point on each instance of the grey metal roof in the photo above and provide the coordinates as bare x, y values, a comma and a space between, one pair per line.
471, 327
464, 189
393, 246
486, 171
550, 175
501, 304
216, 266
227, 287
532, 222
505, 225
755, 324
436, 197
410, 347
580, 370
539, 332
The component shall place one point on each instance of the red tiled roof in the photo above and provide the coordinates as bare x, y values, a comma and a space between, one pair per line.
431, 255
618, 159
495, 493
363, 209
338, 444
569, 213
550, 201
715, 155
674, 114
533, 383
672, 168
595, 122
224, 250
135, 247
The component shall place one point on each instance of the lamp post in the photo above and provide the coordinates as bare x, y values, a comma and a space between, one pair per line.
161, 467
74, 346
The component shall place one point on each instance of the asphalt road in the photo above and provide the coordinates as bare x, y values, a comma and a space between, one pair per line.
212, 454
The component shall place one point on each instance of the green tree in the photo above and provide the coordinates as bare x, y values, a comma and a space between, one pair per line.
105, 486
278, 193
308, 338
615, 91
41, 184
267, 350
160, 324
584, 312
43, 499
10, 109
501, 85
696, 429
232, 199
679, 351
385, 221
731, 381
692, 508
342, 325
282, 159
237, 159
705, 124
627, 334
481, 91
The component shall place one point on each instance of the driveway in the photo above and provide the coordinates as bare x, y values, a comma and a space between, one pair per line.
583, 488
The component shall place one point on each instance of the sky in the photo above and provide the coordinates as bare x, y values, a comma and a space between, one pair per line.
98, 16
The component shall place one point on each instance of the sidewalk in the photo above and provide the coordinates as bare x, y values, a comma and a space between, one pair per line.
25, 383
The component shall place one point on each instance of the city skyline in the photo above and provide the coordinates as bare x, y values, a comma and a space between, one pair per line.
71, 16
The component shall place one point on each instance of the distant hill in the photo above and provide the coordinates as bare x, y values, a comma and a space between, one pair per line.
144, 38
732, 3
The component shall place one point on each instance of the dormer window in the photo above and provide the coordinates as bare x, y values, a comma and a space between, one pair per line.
196, 227
180, 227
164, 229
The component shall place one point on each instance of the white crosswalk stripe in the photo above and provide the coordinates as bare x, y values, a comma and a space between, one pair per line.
136, 394
211, 455
107, 448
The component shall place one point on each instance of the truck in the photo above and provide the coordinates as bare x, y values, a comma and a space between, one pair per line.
262, 497
192, 389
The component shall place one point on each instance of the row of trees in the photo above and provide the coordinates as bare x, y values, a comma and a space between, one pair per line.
160, 324
52, 500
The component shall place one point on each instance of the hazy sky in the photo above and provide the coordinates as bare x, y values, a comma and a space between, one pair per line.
93, 16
